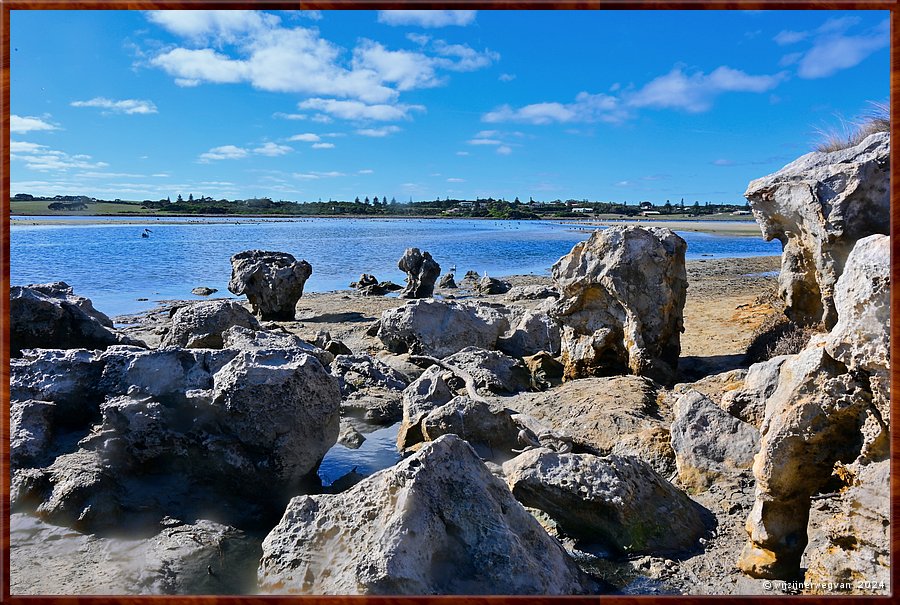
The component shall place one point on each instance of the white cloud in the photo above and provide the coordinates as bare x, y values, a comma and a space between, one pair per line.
586, 108
506, 77
378, 132
483, 141
462, 153
28, 124
835, 51
290, 116
408, 70
273, 149
461, 57
366, 171
310, 176
109, 175
323, 145
427, 18
306, 137
696, 92
226, 25
504, 150
42, 158
357, 110
225, 152
786, 37
160, 175
126, 106
456, 180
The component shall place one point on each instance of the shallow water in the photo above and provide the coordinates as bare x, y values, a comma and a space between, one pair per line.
111, 263
377, 452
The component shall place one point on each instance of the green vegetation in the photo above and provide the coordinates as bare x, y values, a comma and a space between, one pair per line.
26, 204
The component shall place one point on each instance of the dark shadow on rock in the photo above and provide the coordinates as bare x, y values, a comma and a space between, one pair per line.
693, 368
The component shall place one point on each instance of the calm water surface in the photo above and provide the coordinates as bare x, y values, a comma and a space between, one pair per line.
113, 265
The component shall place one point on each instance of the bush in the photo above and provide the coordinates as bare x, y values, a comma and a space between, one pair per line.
878, 119
778, 335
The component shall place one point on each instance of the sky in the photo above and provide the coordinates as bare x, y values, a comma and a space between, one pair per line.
620, 106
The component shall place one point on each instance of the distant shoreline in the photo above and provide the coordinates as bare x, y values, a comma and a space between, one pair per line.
722, 225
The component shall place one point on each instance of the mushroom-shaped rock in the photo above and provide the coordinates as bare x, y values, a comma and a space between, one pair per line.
421, 273
818, 206
436, 523
621, 305
615, 500
202, 325
272, 281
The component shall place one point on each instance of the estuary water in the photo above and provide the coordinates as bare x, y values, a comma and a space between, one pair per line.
108, 261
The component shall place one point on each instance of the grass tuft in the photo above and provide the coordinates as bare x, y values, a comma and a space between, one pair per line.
848, 134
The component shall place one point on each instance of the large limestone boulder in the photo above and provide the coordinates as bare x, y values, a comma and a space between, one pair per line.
272, 281
491, 370
621, 305
426, 393
617, 414
51, 316
818, 206
491, 285
355, 372
749, 402
30, 431
248, 339
617, 501
489, 429
67, 378
203, 325
440, 328
530, 332
421, 273
813, 419
710, 444
436, 523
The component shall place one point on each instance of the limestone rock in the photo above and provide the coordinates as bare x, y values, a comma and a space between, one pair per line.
530, 332
202, 325
203, 291
421, 273
30, 430
605, 414
430, 327
349, 437
615, 500
492, 370
854, 543
245, 339
492, 285
448, 282
355, 372
272, 281
535, 292
51, 316
545, 370
622, 300
818, 206
490, 430
375, 405
436, 523
67, 378
709, 443
426, 393
813, 419
749, 402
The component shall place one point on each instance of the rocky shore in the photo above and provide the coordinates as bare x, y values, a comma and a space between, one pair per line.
599, 431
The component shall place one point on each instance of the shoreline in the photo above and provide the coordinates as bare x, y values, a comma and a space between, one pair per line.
721, 226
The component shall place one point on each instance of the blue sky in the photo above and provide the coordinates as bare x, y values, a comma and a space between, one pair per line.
303, 105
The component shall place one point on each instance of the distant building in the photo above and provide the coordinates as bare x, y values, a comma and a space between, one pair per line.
466, 204
740, 213
650, 213
646, 205
582, 210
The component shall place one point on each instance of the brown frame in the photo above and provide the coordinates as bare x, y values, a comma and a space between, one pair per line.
8, 5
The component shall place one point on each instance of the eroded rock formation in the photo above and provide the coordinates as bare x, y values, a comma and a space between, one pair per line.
421, 273
622, 299
202, 325
272, 281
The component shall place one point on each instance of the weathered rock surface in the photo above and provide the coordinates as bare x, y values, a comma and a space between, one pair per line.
618, 501
430, 327
535, 292
202, 325
617, 414
749, 402
51, 316
355, 372
491, 370
813, 419
30, 430
530, 332
492, 285
853, 545
448, 282
426, 393
622, 300
819, 206
69, 379
245, 339
489, 429
709, 443
272, 281
368, 285
545, 370
421, 273
203, 291
436, 523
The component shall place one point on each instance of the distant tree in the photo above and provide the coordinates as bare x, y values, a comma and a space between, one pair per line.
668, 207
168, 199
180, 199
375, 201
190, 197
356, 201
530, 200
393, 201
516, 201
367, 199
